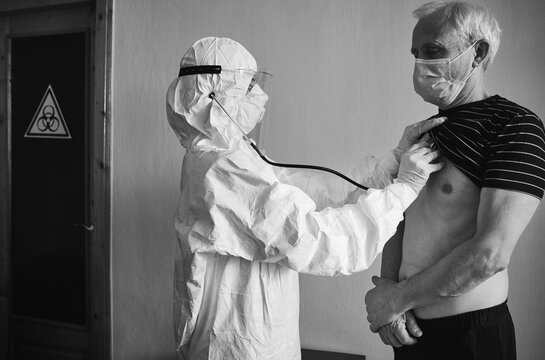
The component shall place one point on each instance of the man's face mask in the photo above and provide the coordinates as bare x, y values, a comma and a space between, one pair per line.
432, 80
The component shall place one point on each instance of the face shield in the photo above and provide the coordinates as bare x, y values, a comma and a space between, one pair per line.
243, 86
240, 79
262, 79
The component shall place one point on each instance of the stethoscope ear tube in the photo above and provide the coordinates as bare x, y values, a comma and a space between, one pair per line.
312, 167
212, 96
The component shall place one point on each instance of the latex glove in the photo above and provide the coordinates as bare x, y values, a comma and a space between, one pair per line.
414, 132
402, 331
415, 166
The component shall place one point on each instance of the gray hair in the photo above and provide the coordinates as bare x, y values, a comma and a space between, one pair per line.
470, 23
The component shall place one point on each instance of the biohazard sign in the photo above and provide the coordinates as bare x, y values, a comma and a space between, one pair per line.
48, 121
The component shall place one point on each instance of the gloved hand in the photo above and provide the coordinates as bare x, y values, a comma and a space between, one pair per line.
415, 166
413, 133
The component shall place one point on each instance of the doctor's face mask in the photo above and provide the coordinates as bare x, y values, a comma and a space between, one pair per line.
433, 81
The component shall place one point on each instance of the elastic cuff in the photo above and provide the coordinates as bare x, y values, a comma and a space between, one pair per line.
403, 192
390, 163
396, 160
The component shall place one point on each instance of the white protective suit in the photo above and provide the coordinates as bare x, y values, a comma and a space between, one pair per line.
245, 229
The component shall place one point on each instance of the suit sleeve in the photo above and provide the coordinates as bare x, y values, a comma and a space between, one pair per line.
259, 218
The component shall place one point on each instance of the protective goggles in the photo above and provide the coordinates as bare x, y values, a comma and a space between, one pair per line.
240, 77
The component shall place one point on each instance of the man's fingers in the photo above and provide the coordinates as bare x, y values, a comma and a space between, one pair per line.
394, 341
400, 332
388, 337
412, 325
403, 337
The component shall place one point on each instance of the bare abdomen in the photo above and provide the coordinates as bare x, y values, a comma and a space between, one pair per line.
443, 217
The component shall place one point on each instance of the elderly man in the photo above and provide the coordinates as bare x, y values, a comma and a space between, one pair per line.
444, 284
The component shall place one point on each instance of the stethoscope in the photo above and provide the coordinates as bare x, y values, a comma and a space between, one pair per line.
216, 69
273, 163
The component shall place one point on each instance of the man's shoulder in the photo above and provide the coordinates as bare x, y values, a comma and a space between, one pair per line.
509, 109
516, 151
521, 120
496, 110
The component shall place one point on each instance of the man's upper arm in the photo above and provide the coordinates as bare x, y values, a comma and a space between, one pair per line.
514, 179
502, 217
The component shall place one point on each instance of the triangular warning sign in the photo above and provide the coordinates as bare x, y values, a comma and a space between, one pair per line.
48, 121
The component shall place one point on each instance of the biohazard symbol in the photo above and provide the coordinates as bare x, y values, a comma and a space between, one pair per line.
48, 121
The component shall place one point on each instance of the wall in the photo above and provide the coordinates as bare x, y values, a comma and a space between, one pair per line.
341, 89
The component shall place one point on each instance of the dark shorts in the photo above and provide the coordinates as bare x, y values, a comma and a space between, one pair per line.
476, 335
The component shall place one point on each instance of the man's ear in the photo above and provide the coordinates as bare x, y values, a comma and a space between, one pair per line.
481, 52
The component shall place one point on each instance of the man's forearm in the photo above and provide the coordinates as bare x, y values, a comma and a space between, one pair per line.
463, 269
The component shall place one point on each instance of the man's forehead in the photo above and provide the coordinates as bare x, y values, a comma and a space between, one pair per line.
432, 30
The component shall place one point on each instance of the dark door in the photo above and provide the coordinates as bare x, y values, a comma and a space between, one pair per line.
50, 191
54, 176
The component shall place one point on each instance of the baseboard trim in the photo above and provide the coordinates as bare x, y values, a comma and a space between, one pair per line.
308, 354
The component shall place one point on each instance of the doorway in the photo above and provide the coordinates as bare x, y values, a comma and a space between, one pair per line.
54, 217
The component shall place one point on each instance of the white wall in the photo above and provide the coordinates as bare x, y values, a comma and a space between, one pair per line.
341, 89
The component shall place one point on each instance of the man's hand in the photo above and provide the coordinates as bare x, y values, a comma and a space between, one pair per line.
414, 132
401, 331
380, 302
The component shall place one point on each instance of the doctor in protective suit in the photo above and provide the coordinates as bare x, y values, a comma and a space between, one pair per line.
246, 229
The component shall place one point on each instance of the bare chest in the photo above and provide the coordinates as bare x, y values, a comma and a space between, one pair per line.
443, 216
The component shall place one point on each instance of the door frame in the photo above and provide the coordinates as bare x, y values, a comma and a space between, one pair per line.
100, 169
